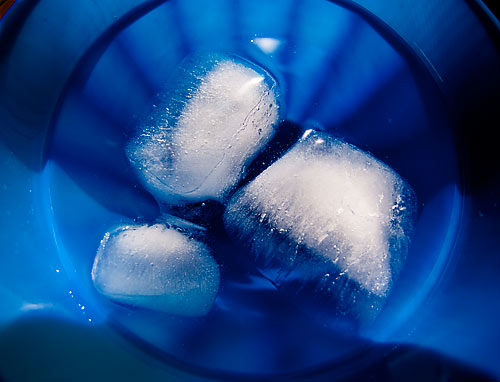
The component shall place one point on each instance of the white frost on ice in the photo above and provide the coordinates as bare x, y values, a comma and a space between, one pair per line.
206, 131
333, 199
158, 268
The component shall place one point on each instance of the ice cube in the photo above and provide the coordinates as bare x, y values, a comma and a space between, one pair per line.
219, 113
326, 213
156, 267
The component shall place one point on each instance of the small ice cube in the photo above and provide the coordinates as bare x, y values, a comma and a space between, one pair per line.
327, 213
220, 112
158, 268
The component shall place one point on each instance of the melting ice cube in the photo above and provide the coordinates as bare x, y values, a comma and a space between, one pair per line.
158, 268
326, 213
220, 112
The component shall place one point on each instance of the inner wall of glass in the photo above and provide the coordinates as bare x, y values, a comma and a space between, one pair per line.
336, 73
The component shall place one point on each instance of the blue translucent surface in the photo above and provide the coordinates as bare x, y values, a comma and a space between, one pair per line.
337, 72
52, 220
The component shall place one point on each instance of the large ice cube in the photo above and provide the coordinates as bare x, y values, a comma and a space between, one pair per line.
158, 268
326, 213
219, 113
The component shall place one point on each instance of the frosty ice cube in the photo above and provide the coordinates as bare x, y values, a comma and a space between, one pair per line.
330, 215
158, 268
219, 113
